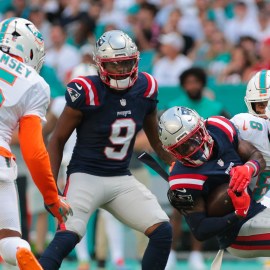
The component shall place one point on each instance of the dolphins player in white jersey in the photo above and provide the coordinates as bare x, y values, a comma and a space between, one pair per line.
24, 98
254, 127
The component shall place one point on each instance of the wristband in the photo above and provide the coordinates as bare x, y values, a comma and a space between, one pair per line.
255, 165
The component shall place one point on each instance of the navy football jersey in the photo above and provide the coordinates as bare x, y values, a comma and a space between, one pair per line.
200, 181
111, 120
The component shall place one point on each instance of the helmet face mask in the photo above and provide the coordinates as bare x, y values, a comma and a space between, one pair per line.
258, 90
19, 37
183, 133
116, 57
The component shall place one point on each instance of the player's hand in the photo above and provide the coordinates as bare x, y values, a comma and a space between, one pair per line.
61, 209
241, 202
240, 177
180, 200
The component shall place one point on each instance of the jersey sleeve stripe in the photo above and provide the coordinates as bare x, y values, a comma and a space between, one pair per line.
186, 181
94, 90
224, 125
188, 176
255, 237
151, 85
85, 88
90, 90
187, 186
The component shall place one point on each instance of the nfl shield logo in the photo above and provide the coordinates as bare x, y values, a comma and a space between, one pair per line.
123, 102
220, 162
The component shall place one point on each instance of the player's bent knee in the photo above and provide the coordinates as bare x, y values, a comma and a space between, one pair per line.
9, 246
77, 226
163, 231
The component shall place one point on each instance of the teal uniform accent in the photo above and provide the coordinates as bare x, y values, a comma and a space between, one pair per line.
7, 76
4, 28
263, 81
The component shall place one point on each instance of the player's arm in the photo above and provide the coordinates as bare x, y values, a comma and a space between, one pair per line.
67, 122
247, 152
202, 226
150, 126
254, 164
36, 157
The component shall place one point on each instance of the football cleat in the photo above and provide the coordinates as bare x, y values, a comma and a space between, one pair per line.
26, 260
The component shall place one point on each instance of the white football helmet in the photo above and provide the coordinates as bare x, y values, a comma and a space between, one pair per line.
182, 132
20, 37
116, 57
258, 90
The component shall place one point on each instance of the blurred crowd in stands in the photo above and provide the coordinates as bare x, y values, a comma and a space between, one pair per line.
230, 39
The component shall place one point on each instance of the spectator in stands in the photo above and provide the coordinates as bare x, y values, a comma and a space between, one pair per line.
61, 56
218, 55
167, 69
250, 45
199, 51
264, 57
145, 22
172, 25
196, 96
244, 22
238, 69
38, 17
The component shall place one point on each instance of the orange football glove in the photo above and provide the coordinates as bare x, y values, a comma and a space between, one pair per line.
61, 209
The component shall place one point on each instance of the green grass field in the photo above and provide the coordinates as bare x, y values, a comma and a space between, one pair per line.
181, 265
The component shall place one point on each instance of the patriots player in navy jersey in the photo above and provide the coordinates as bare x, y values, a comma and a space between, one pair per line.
209, 153
107, 111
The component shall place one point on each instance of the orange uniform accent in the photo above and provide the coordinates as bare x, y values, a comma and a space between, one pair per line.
36, 157
5, 153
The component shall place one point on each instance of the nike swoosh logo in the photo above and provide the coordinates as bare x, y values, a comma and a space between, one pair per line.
78, 86
245, 212
182, 190
244, 126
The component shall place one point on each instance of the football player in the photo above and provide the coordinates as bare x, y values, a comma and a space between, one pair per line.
210, 153
24, 98
107, 111
254, 126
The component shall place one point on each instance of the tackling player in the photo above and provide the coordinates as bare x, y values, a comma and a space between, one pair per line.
209, 153
24, 98
107, 111
254, 127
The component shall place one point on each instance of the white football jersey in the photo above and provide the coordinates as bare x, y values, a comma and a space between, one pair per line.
256, 130
22, 92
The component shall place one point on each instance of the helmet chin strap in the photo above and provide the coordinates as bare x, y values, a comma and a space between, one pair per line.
120, 84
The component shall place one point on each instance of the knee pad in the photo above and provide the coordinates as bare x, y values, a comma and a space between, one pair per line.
162, 235
9, 246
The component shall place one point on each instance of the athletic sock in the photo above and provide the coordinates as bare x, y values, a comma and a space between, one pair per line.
61, 245
158, 249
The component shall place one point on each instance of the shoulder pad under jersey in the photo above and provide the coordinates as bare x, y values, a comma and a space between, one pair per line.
223, 124
151, 86
81, 92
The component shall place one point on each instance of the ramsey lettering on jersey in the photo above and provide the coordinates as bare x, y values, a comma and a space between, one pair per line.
14, 64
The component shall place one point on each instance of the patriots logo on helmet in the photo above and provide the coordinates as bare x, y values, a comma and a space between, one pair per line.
73, 94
